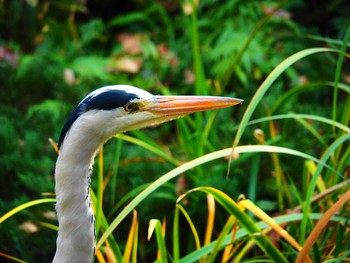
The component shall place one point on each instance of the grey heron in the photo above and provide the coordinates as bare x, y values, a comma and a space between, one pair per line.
100, 115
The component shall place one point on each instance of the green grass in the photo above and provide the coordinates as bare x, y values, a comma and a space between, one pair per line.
279, 193
241, 218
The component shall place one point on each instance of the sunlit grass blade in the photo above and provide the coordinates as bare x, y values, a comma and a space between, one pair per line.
321, 225
135, 245
311, 188
104, 225
156, 226
229, 226
243, 251
267, 84
100, 257
25, 206
131, 238
245, 222
295, 91
142, 136
54, 145
49, 226
267, 219
190, 165
316, 198
149, 147
341, 259
328, 121
190, 223
311, 167
14, 259
210, 219
241, 233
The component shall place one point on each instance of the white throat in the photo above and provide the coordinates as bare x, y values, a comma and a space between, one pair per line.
76, 234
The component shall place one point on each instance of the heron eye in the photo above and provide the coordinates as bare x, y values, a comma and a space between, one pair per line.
130, 107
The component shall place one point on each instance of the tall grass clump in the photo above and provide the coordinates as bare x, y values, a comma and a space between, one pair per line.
265, 181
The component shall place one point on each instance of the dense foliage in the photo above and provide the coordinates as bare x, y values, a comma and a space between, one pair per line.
53, 53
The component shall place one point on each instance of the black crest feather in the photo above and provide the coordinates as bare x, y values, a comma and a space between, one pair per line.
108, 99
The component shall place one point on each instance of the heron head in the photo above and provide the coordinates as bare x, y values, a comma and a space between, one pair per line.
115, 109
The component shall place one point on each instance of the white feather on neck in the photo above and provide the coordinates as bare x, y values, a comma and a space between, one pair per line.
76, 236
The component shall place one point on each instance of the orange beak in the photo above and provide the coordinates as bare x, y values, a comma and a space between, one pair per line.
182, 105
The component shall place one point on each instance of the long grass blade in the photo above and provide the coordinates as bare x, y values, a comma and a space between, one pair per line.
114, 177
243, 251
131, 237
25, 206
253, 177
104, 225
268, 83
339, 125
210, 219
14, 259
148, 147
229, 226
306, 207
321, 225
176, 236
135, 245
341, 57
284, 219
156, 226
295, 91
190, 165
311, 167
190, 223
49, 226
245, 221
266, 218
312, 130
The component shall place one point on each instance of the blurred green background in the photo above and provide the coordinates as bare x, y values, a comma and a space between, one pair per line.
53, 53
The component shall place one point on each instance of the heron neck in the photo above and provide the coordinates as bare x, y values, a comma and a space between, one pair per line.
76, 234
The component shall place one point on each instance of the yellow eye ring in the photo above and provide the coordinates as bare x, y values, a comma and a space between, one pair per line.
130, 107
